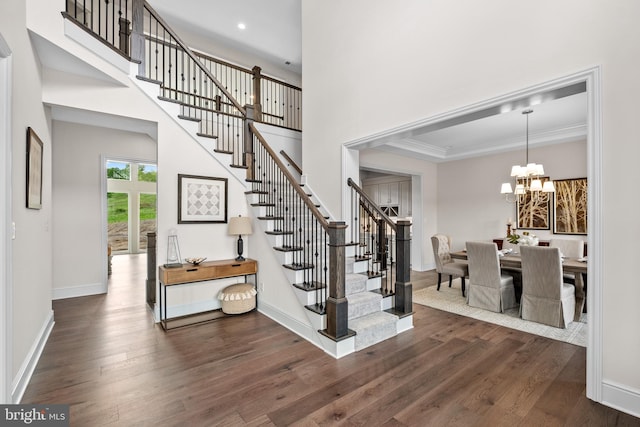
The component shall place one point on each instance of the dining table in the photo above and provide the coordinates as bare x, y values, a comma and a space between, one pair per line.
577, 266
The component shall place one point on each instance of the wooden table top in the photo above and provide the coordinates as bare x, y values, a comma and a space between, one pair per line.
569, 265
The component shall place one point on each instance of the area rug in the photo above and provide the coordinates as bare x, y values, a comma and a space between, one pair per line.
451, 300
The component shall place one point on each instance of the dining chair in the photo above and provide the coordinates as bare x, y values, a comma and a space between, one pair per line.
489, 288
571, 249
445, 264
545, 297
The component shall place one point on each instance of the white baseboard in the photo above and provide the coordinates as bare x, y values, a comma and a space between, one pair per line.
621, 398
79, 291
20, 382
294, 325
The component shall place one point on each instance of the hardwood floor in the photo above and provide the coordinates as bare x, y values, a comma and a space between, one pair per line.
114, 366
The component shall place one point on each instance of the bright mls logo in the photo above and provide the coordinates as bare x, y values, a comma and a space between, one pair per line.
34, 415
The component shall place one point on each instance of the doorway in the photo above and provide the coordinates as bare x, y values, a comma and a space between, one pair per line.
131, 205
589, 79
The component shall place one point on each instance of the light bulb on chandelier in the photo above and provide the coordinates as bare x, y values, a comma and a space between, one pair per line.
528, 179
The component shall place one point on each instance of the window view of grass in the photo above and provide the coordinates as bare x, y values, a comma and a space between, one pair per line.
118, 207
118, 204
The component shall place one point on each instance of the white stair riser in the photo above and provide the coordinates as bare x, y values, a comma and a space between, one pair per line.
387, 303
374, 283
305, 297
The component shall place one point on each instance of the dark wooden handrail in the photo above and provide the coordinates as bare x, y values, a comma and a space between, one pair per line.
372, 204
290, 160
303, 195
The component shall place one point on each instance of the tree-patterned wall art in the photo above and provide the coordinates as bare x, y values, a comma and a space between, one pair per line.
570, 206
533, 213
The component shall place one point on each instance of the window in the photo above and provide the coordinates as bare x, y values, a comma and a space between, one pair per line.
131, 204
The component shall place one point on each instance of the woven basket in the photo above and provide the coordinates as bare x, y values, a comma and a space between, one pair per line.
238, 298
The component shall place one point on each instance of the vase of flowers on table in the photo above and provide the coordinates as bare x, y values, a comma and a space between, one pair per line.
527, 239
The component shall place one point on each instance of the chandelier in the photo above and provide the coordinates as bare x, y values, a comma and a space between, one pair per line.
528, 179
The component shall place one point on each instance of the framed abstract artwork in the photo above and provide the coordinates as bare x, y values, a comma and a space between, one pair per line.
570, 206
35, 150
201, 199
533, 213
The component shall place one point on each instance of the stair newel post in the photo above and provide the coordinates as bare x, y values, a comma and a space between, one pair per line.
124, 35
337, 306
257, 95
137, 35
248, 158
404, 301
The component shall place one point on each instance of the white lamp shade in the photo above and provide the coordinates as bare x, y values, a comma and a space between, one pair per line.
506, 188
536, 185
516, 170
548, 187
520, 189
240, 225
539, 170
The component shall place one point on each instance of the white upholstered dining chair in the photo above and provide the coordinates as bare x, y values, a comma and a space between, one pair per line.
571, 249
444, 263
568, 248
488, 287
545, 297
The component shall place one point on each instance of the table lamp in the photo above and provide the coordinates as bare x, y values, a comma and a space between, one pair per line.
238, 226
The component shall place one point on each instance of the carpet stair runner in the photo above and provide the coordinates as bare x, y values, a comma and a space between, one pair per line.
366, 318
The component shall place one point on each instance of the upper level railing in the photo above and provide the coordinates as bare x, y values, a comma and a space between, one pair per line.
136, 31
275, 102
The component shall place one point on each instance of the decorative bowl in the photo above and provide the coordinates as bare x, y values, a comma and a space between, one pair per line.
195, 261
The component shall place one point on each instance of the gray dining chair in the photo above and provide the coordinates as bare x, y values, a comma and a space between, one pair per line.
545, 297
445, 264
571, 249
489, 288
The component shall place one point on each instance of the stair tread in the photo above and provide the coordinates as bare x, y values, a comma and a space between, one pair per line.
206, 135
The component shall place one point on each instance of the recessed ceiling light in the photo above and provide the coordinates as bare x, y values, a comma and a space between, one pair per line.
241, 25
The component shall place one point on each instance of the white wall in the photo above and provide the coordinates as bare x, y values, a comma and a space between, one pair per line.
30, 286
447, 55
78, 227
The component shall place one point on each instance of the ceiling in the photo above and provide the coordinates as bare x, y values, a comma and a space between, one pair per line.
558, 116
273, 28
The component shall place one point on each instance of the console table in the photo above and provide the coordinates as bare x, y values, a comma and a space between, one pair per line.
208, 270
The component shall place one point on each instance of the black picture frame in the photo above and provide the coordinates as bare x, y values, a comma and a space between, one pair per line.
35, 153
570, 206
202, 199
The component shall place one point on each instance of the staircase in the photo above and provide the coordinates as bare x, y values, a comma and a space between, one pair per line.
350, 297
367, 318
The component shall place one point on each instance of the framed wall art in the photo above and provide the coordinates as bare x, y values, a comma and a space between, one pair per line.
35, 150
533, 213
201, 199
570, 206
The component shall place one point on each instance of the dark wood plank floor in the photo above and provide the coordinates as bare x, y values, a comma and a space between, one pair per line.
114, 366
